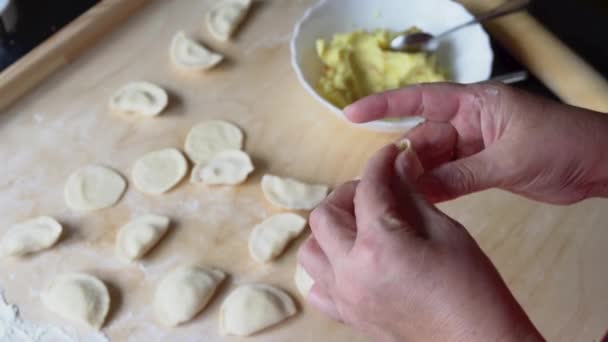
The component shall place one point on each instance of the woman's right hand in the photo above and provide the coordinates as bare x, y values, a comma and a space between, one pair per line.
489, 135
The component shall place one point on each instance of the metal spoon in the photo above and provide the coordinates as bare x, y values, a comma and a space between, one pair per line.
512, 77
415, 42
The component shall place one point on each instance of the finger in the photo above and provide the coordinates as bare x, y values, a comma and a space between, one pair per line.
464, 176
408, 164
434, 143
334, 229
343, 196
437, 102
414, 207
376, 206
312, 258
322, 300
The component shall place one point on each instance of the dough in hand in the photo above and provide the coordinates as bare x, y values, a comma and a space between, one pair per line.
184, 292
225, 17
191, 55
159, 171
269, 238
93, 187
137, 237
289, 193
303, 280
143, 98
253, 307
78, 297
30, 236
228, 167
208, 138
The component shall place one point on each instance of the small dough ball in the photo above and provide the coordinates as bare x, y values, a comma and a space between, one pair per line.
159, 171
228, 167
137, 237
225, 17
143, 98
288, 193
191, 55
254, 307
303, 280
93, 187
208, 138
269, 238
30, 236
184, 292
78, 297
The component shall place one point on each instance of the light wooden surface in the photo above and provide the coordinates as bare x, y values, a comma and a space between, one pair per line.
63, 47
550, 256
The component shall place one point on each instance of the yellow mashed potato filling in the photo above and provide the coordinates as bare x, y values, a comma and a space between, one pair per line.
360, 63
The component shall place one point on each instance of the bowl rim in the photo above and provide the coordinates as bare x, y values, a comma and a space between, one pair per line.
379, 125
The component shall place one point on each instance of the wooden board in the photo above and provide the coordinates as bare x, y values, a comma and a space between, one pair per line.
550, 256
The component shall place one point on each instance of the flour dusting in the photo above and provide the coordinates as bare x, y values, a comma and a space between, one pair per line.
14, 328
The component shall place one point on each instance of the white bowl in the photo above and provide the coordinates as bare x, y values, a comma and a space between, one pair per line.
467, 53
8, 15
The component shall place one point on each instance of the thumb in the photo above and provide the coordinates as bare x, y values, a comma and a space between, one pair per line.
461, 177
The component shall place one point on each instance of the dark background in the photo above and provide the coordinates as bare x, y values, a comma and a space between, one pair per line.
581, 24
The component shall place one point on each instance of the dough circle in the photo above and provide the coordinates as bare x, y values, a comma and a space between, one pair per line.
158, 171
93, 187
143, 98
269, 238
191, 55
78, 297
228, 167
30, 236
208, 138
288, 193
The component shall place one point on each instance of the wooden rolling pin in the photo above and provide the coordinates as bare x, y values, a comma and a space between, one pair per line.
549, 59
63, 47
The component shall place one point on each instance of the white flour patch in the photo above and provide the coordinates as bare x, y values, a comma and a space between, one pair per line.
268, 43
14, 328
39, 118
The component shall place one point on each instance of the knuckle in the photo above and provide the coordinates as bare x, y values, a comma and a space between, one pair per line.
462, 180
369, 250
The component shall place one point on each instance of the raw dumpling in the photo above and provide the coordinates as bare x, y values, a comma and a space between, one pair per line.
303, 280
191, 55
143, 98
289, 193
78, 297
224, 18
228, 167
208, 138
158, 171
30, 236
184, 292
137, 237
93, 187
253, 307
269, 238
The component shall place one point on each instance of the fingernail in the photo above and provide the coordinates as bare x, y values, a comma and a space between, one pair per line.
404, 145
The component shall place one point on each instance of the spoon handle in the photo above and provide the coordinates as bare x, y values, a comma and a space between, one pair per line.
508, 7
512, 77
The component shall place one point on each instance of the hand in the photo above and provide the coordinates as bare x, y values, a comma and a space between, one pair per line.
391, 265
489, 135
